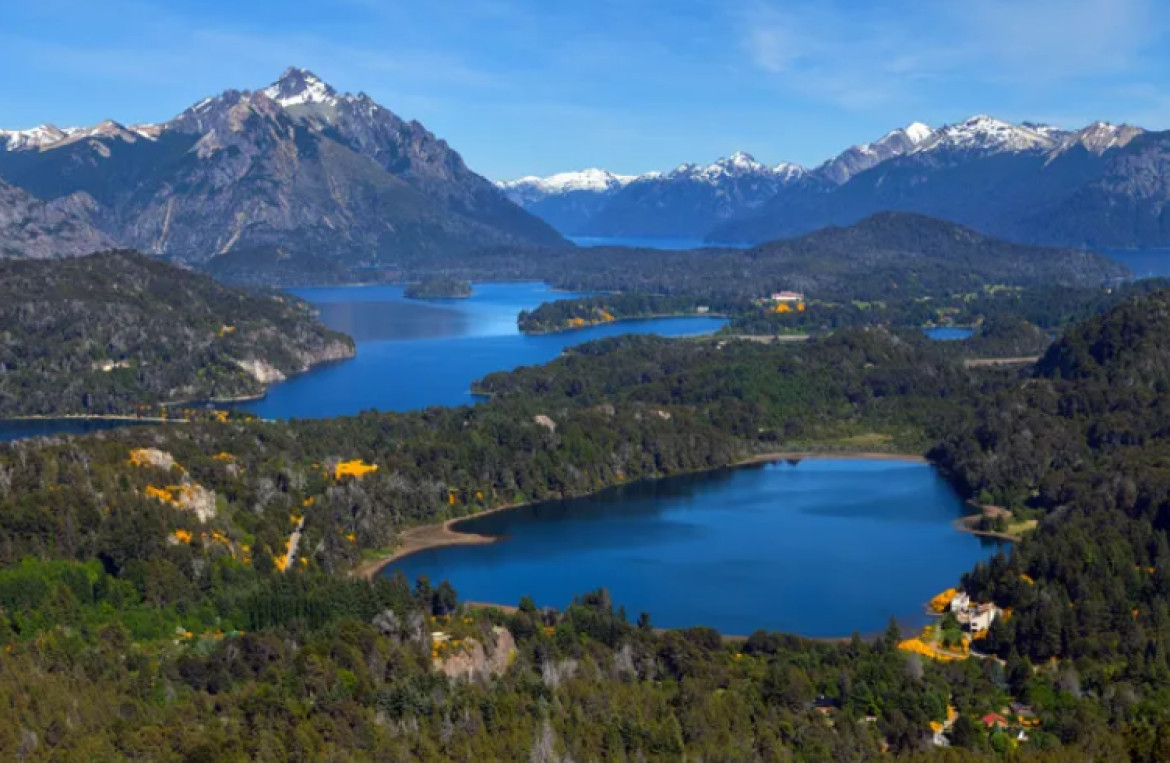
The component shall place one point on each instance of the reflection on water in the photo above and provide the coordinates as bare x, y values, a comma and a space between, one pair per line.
821, 548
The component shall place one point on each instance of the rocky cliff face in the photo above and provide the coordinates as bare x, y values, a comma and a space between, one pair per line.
473, 661
39, 230
295, 166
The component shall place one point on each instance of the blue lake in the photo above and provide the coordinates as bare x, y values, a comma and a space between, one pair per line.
948, 333
20, 430
414, 354
651, 243
820, 548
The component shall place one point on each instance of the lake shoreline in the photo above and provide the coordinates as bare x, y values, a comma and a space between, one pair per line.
95, 417
628, 319
426, 537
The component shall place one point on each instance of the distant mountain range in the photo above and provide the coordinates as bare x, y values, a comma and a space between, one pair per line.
685, 202
291, 170
1105, 186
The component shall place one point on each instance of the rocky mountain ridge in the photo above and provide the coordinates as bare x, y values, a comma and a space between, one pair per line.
1101, 185
295, 165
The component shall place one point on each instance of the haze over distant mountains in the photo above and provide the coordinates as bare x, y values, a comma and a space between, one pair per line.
1102, 186
294, 169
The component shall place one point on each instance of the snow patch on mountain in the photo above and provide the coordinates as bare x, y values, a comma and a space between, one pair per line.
45, 137
1097, 138
33, 138
986, 134
740, 164
860, 158
563, 182
297, 87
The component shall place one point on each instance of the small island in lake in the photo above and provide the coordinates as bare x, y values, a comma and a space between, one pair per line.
439, 287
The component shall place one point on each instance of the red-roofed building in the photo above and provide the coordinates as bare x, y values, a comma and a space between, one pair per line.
994, 720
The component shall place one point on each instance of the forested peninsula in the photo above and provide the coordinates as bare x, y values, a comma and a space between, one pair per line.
118, 332
438, 287
196, 582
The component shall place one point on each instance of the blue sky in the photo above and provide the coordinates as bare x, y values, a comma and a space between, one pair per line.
534, 87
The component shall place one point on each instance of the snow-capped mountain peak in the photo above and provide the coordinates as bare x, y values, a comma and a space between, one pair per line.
34, 137
984, 133
739, 164
860, 158
742, 160
787, 171
47, 136
532, 188
297, 87
592, 179
918, 132
1098, 138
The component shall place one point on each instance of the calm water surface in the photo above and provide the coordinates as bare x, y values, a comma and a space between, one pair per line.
948, 333
651, 243
819, 548
418, 353
20, 430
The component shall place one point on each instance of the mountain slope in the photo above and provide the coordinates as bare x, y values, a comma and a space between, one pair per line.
690, 199
905, 254
858, 159
39, 230
1104, 185
568, 200
1128, 346
890, 256
294, 166
106, 333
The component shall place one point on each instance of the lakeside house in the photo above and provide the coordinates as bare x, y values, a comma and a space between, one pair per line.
783, 302
787, 296
975, 617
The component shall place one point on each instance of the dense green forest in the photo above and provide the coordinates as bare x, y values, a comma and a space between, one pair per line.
151, 605
438, 287
564, 314
1045, 307
891, 255
110, 333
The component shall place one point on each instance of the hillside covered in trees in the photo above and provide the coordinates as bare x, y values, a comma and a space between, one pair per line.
155, 601
108, 333
887, 256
